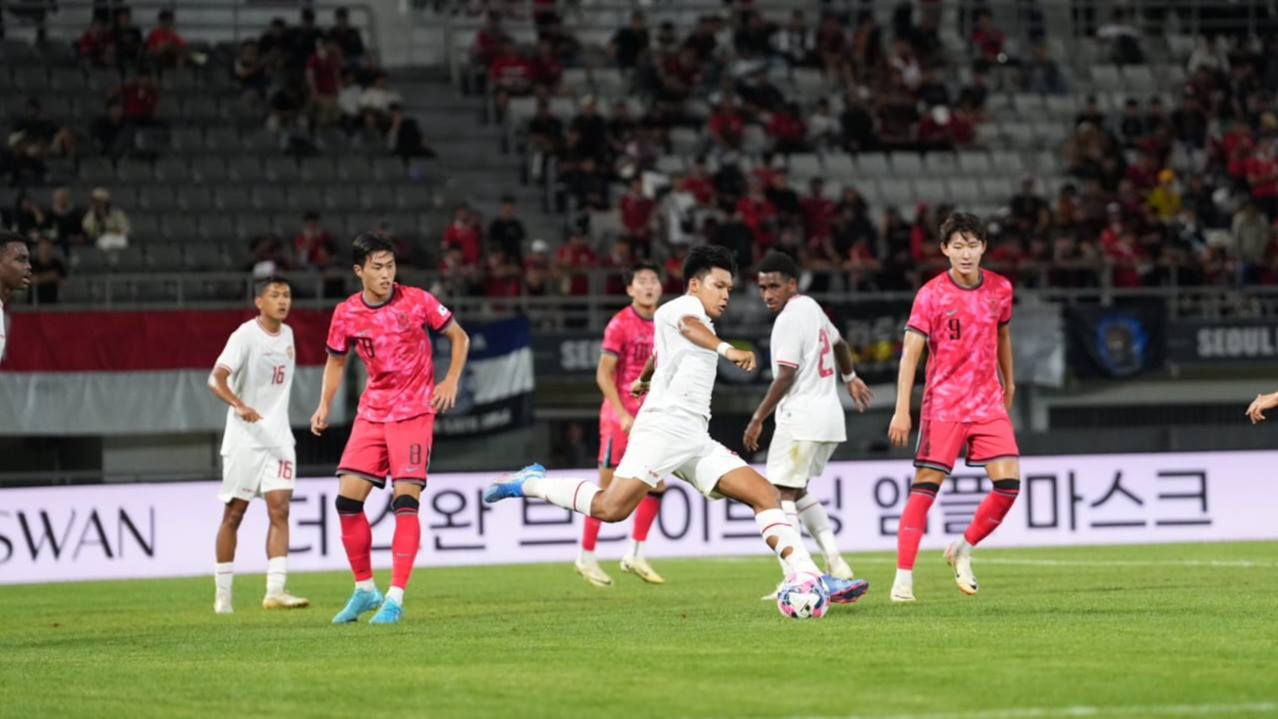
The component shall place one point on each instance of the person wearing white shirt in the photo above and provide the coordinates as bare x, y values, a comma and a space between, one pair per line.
15, 274
379, 97
254, 376
807, 353
671, 434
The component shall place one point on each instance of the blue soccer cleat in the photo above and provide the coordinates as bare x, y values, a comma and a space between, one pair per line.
845, 591
512, 485
388, 614
361, 601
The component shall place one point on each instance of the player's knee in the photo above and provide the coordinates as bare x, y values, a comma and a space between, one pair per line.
932, 487
278, 513
346, 505
1008, 486
610, 510
233, 517
405, 502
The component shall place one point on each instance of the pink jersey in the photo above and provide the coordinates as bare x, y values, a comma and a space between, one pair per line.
961, 327
628, 337
393, 342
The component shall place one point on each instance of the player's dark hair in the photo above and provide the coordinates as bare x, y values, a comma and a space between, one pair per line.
780, 263
704, 258
962, 223
629, 275
369, 244
260, 286
10, 238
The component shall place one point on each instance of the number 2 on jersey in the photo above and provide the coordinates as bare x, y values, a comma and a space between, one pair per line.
278, 374
822, 369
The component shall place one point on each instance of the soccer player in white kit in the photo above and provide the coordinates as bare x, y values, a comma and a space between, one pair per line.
670, 435
254, 375
807, 351
15, 274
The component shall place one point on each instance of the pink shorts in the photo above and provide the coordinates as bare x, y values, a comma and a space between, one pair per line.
986, 442
612, 444
399, 450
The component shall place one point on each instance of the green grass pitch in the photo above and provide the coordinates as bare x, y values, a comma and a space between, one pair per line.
1142, 631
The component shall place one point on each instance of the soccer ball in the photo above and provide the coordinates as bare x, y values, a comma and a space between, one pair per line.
803, 597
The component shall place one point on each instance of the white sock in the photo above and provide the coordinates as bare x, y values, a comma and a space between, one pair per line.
366, 585
817, 521
587, 556
789, 547
222, 576
962, 546
276, 573
396, 594
636, 549
792, 515
574, 494
904, 576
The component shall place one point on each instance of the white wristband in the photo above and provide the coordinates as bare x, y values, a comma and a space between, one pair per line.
849, 376
723, 348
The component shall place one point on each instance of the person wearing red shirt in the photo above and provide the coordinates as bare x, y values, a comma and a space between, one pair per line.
488, 41
787, 130
503, 277
463, 235
511, 74
97, 44
140, 98
700, 184
323, 76
618, 262
1262, 175
573, 258
313, 243
1144, 174
726, 125
165, 45
818, 210
987, 40
546, 68
636, 215
758, 213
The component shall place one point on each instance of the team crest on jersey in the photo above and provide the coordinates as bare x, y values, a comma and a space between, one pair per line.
993, 303
289, 352
404, 322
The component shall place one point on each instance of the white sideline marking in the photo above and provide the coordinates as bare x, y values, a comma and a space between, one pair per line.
1080, 711
1218, 563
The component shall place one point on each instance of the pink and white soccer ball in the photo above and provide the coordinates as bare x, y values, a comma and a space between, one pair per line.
803, 597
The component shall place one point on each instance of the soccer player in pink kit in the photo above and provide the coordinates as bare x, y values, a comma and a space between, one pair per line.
627, 345
962, 317
386, 323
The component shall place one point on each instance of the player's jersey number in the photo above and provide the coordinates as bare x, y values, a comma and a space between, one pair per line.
286, 469
823, 361
278, 374
955, 327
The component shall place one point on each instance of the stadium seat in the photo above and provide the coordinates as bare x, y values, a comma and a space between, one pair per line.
940, 164
907, 164
223, 139
344, 197
244, 168
356, 169
88, 260
281, 169
931, 190
156, 198
1107, 77
839, 165
97, 171
144, 229
204, 257
303, 198
165, 258
873, 164
196, 198
127, 260
319, 169
963, 192
997, 189
234, 198
389, 169
209, 170
253, 224
1008, 162
268, 198
899, 192
133, 171
171, 170
179, 228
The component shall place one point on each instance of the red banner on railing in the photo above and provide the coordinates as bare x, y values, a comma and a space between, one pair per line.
134, 341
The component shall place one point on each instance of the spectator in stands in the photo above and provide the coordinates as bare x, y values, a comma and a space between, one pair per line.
66, 222
589, 186
1090, 114
592, 129
97, 44
507, 232
629, 41
287, 104
456, 276
273, 44
404, 137
308, 241
700, 184
376, 100
128, 38
165, 46
736, 235
510, 73
1189, 123
1165, 198
1131, 126
758, 213
29, 219
323, 79
726, 126
547, 69
638, 217
354, 119
269, 256
818, 210
544, 138
823, 127
987, 40
489, 41
348, 38
47, 272
302, 41
35, 136
573, 261
105, 224
675, 212
250, 73
796, 42
932, 91
503, 277
620, 258
1122, 38
1029, 211
857, 125
1252, 238
1045, 75
786, 132
1209, 56
462, 233
784, 198
976, 94
140, 97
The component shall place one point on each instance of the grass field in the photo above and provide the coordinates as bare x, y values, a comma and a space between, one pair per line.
1147, 631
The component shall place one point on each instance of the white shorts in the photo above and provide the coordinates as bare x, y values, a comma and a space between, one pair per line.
792, 462
254, 471
661, 445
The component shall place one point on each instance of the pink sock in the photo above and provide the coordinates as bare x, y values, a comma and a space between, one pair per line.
909, 531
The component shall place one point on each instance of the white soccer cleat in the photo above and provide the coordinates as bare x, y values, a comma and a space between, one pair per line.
902, 592
222, 603
593, 573
959, 556
838, 567
771, 596
284, 600
639, 567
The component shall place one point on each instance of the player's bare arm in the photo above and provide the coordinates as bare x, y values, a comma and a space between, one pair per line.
333, 369
777, 391
1005, 364
695, 330
1256, 411
445, 397
640, 386
220, 389
911, 351
605, 372
858, 390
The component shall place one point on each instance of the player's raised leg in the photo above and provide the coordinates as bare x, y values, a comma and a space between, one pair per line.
227, 533
910, 528
1005, 473
277, 596
645, 514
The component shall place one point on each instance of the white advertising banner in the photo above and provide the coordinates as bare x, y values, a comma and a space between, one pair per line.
163, 530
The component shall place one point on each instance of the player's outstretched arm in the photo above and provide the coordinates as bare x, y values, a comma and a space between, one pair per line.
858, 390
640, 386
332, 380
445, 397
605, 373
220, 389
777, 391
911, 351
694, 329
1256, 412
1005, 364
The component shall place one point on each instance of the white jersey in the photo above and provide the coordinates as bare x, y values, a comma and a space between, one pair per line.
261, 367
684, 378
804, 338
